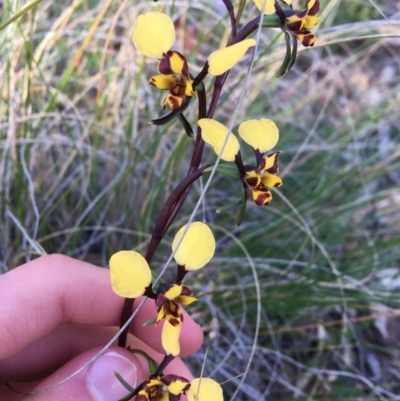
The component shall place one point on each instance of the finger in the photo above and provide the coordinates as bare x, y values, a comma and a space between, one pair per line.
97, 382
52, 351
54, 289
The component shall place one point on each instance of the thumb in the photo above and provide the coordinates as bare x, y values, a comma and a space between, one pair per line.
97, 382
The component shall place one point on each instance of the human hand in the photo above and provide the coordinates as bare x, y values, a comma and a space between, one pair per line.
56, 313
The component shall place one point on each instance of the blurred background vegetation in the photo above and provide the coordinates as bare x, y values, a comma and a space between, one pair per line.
302, 300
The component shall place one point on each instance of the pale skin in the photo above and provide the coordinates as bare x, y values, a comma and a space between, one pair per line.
55, 314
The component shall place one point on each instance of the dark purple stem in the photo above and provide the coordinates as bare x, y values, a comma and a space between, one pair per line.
196, 156
229, 7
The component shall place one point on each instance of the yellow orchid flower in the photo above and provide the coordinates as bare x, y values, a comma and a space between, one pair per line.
299, 23
162, 387
171, 387
131, 278
262, 135
167, 303
154, 36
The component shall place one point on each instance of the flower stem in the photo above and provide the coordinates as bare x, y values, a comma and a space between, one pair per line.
157, 236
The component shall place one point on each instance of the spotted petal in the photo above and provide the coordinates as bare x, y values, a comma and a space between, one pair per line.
197, 246
271, 180
214, 133
175, 97
170, 339
173, 62
154, 34
176, 385
307, 38
261, 196
130, 274
269, 164
223, 60
260, 134
166, 82
204, 389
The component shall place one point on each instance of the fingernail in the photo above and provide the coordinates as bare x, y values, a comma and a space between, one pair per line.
101, 381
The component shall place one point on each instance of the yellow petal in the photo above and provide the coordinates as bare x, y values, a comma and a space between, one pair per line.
269, 6
177, 386
214, 133
271, 180
178, 63
189, 89
223, 60
185, 299
160, 314
153, 382
173, 292
197, 247
310, 21
170, 339
162, 81
260, 134
130, 274
204, 389
154, 34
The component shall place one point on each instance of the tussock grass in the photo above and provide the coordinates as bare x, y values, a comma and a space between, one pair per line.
83, 173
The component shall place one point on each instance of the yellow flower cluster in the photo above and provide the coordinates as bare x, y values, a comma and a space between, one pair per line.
194, 244
131, 278
262, 135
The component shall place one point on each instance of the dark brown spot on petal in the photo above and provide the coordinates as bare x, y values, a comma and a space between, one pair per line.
174, 321
172, 101
164, 66
252, 181
263, 199
307, 40
294, 26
